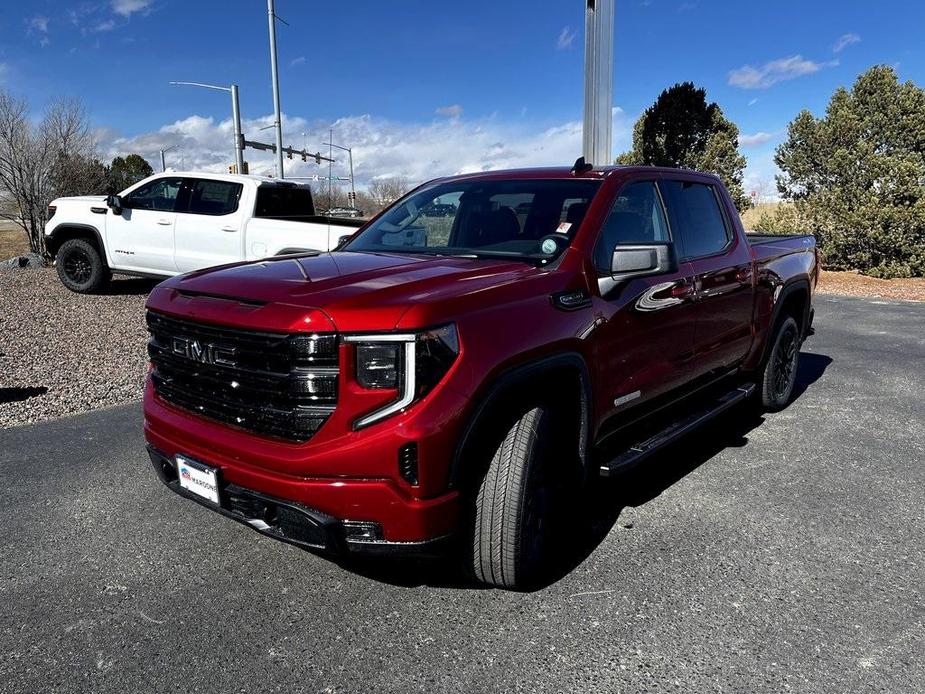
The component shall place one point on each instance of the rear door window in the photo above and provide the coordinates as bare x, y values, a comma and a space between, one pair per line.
213, 197
276, 201
696, 217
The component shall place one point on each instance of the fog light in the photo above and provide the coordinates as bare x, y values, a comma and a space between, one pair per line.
362, 531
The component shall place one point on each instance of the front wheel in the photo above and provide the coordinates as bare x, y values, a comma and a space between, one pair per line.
80, 266
517, 501
780, 369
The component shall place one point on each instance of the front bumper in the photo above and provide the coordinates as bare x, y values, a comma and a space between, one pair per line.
293, 522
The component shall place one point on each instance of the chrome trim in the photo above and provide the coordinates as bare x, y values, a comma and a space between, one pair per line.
406, 393
381, 337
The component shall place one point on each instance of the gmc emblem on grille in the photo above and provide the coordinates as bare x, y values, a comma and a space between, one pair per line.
203, 352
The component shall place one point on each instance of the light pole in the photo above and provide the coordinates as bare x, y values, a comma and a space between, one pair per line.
349, 151
598, 120
235, 117
163, 160
274, 74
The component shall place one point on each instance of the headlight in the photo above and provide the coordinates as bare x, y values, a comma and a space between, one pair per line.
411, 363
378, 364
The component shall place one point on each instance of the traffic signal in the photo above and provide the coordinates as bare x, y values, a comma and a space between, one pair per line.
233, 169
318, 158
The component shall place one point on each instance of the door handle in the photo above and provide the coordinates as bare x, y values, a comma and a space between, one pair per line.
164, 222
682, 291
229, 228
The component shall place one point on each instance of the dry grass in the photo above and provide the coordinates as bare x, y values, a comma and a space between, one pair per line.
12, 240
750, 217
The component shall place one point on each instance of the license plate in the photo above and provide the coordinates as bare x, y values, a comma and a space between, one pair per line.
197, 478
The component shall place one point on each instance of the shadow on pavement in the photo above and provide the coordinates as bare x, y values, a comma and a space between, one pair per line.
598, 510
20, 394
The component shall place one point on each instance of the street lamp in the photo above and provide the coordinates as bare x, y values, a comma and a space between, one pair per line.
163, 160
235, 117
349, 151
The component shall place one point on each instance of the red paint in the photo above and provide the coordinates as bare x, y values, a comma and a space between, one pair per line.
504, 317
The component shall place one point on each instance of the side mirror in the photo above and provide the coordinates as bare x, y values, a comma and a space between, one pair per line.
640, 260
114, 202
341, 241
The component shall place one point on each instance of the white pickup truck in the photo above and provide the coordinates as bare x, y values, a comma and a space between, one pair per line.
177, 222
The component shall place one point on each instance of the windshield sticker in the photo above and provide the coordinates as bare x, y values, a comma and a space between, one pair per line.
563, 227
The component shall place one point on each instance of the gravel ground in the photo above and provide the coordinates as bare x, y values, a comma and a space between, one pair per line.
856, 284
62, 353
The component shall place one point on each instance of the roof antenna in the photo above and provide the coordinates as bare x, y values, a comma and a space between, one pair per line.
581, 166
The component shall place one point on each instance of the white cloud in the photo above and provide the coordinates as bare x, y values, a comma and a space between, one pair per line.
764, 76
756, 139
106, 25
845, 41
381, 148
753, 101
566, 37
297, 61
38, 23
453, 111
126, 8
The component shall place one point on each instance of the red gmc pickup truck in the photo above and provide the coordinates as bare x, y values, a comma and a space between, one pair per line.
458, 367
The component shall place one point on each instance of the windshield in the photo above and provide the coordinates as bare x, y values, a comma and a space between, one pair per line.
529, 219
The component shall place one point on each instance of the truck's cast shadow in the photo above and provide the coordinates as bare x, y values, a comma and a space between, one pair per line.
599, 510
129, 286
8, 395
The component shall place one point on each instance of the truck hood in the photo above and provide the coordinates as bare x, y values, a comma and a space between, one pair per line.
358, 291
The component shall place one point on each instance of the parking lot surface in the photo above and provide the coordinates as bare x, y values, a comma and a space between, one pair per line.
764, 554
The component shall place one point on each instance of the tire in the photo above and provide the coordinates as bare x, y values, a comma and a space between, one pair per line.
80, 267
780, 368
516, 504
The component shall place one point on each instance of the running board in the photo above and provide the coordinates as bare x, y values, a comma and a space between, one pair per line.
676, 430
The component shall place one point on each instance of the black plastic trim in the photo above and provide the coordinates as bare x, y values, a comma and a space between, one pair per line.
60, 235
519, 374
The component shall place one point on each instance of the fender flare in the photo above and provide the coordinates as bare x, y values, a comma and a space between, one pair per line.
519, 374
793, 285
60, 235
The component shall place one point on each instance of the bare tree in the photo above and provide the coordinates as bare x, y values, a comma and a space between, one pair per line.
39, 162
385, 191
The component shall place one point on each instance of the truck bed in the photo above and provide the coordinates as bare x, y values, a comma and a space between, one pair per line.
761, 239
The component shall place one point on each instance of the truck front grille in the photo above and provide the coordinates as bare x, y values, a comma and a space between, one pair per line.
278, 385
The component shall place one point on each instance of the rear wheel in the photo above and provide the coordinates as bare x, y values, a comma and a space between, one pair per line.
80, 266
780, 369
518, 501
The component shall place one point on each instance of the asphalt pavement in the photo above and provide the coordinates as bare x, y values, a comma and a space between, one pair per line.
764, 554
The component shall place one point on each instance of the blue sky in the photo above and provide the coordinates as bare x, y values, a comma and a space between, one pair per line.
422, 88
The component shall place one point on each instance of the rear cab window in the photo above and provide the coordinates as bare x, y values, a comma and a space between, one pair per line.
697, 218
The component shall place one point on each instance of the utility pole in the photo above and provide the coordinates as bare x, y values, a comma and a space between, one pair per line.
163, 159
330, 168
274, 73
349, 151
598, 118
235, 119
